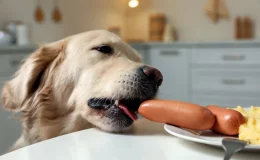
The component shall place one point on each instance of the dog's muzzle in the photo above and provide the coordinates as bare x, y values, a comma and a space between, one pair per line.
145, 83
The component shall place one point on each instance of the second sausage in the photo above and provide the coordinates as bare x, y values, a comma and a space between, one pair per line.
228, 121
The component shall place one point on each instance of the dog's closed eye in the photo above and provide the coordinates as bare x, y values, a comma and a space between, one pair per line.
106, 49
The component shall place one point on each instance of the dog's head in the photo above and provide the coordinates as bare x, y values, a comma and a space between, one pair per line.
95, 74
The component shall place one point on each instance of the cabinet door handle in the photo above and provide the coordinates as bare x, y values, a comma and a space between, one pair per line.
170, 53
233, 57
14, 62
233, 81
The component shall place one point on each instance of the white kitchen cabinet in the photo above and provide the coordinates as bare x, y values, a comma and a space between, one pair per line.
9, 62
173, 63
225, 74
228, 76
144, 53
10, 127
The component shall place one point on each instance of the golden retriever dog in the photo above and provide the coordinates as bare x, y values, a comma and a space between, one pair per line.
91, 79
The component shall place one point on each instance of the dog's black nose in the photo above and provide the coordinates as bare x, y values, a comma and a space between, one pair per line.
153, 74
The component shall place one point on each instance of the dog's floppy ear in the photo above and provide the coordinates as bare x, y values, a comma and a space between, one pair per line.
27, 79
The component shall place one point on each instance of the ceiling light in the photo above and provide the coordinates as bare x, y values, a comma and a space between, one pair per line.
133, 3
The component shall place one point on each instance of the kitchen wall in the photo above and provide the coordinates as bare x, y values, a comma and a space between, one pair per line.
189, 19
80, 15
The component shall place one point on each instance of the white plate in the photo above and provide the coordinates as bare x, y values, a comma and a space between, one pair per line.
205, 137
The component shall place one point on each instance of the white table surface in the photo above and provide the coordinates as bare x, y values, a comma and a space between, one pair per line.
146, 141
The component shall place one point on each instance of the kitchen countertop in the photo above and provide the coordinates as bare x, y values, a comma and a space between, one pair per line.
178, 44
200, 44
15, 48
146, 140
232, 43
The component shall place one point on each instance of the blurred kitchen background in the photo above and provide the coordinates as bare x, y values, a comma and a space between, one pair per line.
207, 50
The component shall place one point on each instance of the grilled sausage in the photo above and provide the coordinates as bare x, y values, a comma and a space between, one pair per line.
181, 114
228, 121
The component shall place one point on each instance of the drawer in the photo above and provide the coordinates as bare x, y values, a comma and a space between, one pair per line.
9, 63
224, 81
225, 101
173, 64
226, 56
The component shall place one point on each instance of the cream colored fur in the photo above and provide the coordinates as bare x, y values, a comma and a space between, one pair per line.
53, 84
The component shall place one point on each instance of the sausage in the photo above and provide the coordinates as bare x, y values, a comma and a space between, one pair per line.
228, 121
181, 114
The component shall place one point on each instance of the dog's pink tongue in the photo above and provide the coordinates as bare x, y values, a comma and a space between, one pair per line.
128, 112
